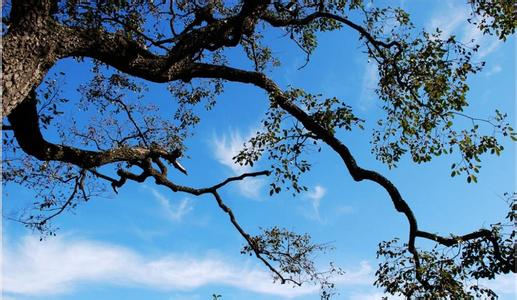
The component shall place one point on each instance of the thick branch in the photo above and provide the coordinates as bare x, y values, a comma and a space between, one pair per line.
28, 54
357, 173
133, 58
24, 12
25, 124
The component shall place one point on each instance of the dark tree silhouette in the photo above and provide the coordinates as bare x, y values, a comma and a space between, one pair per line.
183, 43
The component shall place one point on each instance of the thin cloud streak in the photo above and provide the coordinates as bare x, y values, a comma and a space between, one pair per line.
174, 212
505, 284
315, 197
364, 275
369, 84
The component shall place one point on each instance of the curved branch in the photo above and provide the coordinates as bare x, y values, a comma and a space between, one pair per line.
23, 72
280, 22
248, 238
25, 125
358, 174
240, 177
480, 234
78, 185
135, 59
149, 171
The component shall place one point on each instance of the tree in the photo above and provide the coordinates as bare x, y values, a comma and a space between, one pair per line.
423, 86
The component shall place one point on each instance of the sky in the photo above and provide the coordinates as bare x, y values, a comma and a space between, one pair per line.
148, 242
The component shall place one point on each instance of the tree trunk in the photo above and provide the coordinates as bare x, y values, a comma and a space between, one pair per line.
28, 52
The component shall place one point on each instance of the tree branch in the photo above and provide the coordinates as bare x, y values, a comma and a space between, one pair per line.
480, 234
25, 12
160, 179
133, 58
275, 21
358, 174
25, 124
78, 185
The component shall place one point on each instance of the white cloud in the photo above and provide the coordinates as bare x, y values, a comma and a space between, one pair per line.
372, 296
174, 212
180, 296
226, 147
369, 84
315, 197
60, 265
363, 276
318, 193
359, 284
312, 212
488, 44
452, 20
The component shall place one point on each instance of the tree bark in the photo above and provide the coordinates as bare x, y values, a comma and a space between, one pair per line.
28, 51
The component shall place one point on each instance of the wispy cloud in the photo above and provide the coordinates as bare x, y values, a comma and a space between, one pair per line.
448, 19
62, 265
226, 147
364, 275
174, 212
503, 285
311, 210
315, 197
369, 84
358, 283
372, 296
59, 265
452, 20
494, 70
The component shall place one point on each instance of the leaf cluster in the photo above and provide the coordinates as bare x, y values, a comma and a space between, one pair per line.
287, 142
423, 85
294, 254
450, 272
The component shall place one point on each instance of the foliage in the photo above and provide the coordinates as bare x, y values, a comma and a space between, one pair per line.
494, 17
294, 254
286, 141
123, 136
451, 272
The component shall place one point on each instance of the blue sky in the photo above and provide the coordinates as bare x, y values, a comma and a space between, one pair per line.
147, 242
